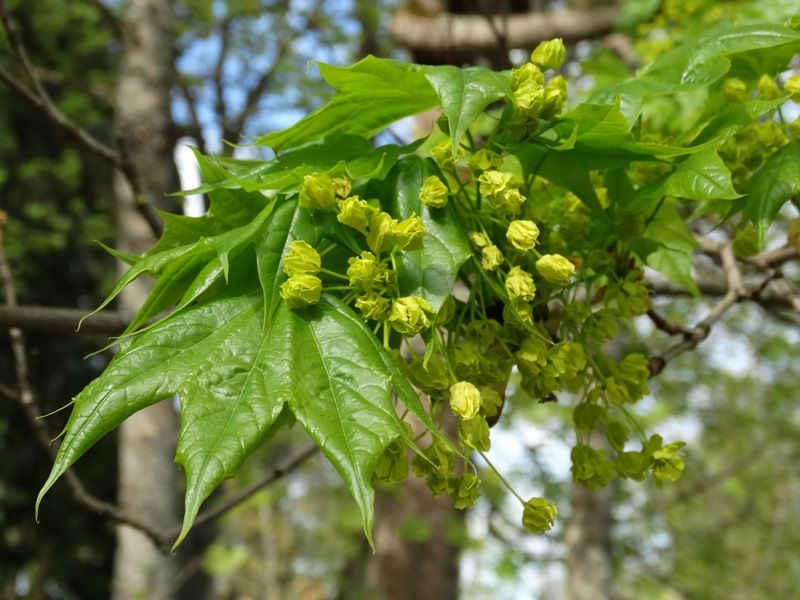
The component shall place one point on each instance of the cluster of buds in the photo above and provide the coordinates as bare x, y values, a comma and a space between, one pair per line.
533, 98
301, 264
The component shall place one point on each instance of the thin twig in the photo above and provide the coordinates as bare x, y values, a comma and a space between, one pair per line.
80, 135
669, 328
61, 321
736, 291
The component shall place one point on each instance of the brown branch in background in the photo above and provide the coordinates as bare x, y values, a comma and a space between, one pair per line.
472, 33
735, 291
49, 110
218, 71
194, 128
235, 129
61, 321
669, 328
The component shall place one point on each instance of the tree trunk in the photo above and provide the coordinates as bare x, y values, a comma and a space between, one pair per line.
408, 566
147, 476
402, 567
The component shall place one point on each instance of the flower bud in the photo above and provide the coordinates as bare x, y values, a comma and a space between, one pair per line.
356, 213
550, 54
508, 202
467, 492
433, 192
555, 96
792, 86
392, 464
555, 268
484, 159
410, 315
442, 153
522, 234
538, 515
479, 240
474, 433
529, 100
381, 232
491, 257
317, 192
527, 74
301, 290
409, 233
519, 285
363, 271
465, 399
301, 259
342, 186
372, 306
493, 183
767, 88
734, 90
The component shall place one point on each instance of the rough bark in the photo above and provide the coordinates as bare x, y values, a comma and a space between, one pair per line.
147, 477
588, 539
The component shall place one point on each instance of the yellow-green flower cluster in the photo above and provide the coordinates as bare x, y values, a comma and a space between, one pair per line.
409, 233
522, 234
318, 192
301, 263
549, 54
465, 399
538, 515
532, 98
434, 192
356, 213
555, 268
501, 196
410, 315
442, 153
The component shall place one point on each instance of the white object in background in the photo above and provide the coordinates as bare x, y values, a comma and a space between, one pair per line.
189, 174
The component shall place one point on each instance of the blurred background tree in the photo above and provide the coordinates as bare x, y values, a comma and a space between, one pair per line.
235, 68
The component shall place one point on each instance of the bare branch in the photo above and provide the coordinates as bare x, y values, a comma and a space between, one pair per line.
50, 111
27, 402
235, 129
60, 321
219, 68
670, 328
472, 33
195, 129
735, 291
